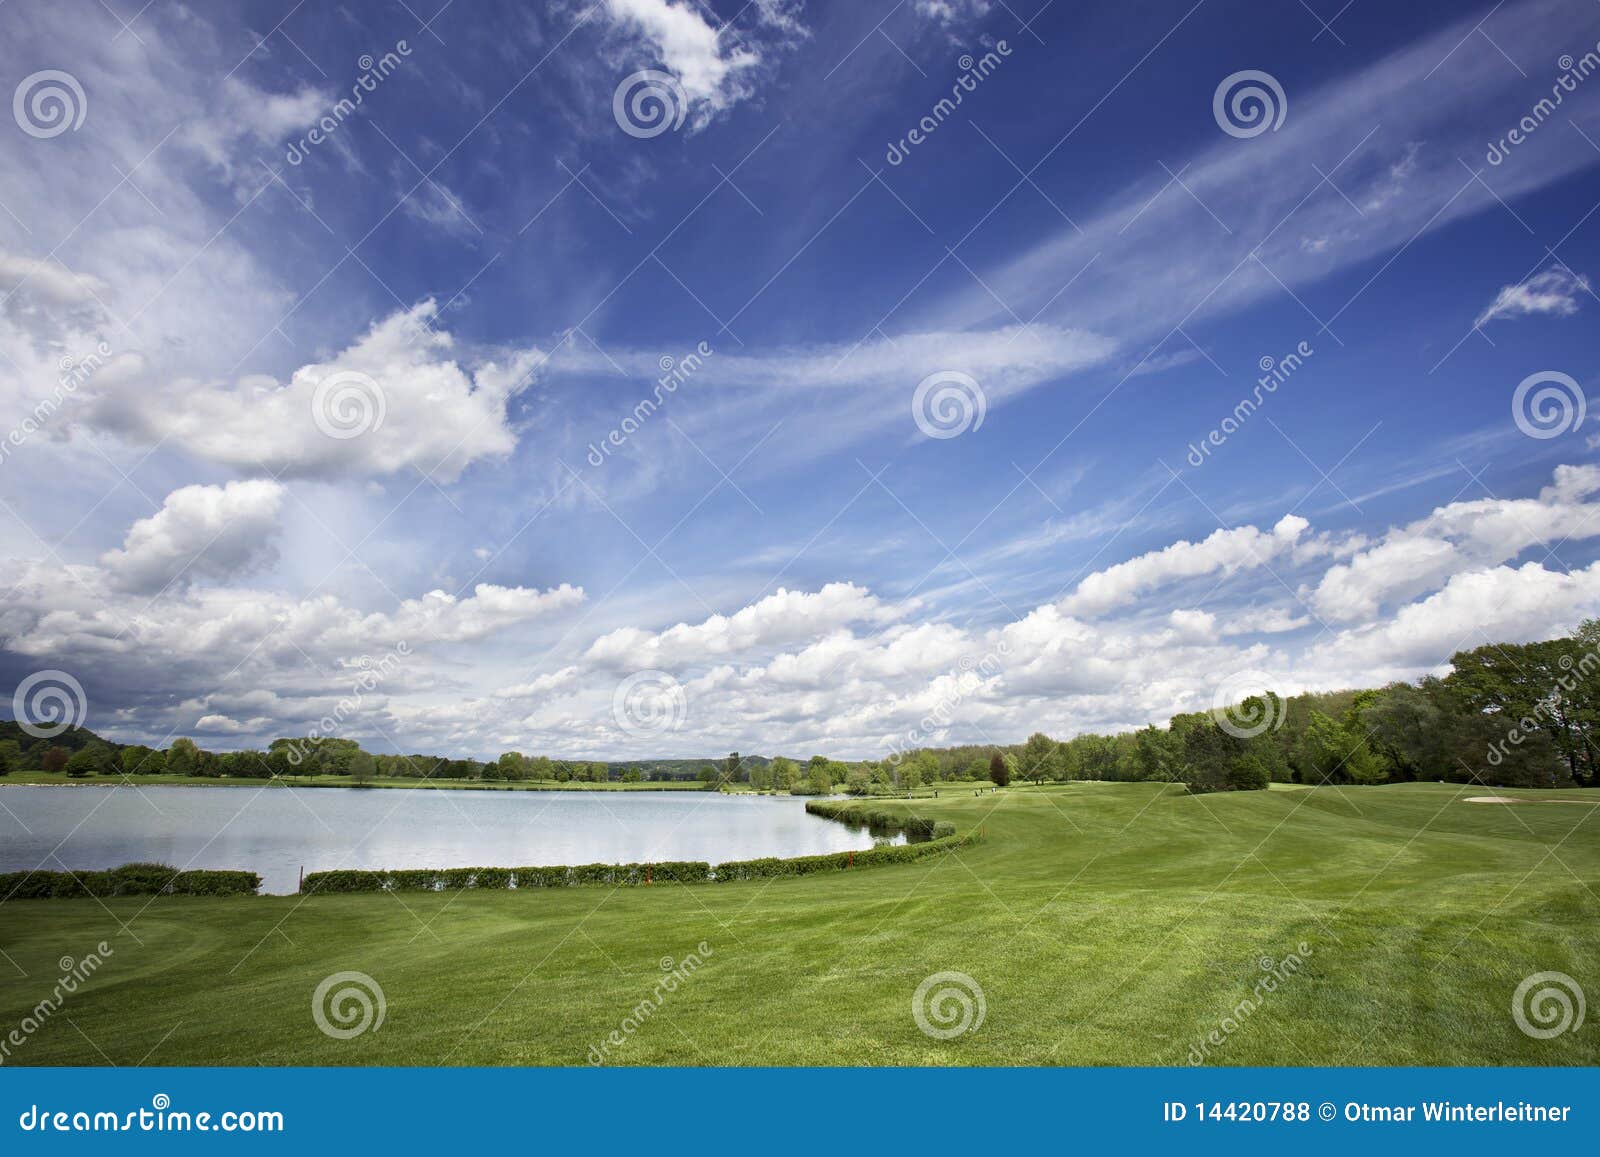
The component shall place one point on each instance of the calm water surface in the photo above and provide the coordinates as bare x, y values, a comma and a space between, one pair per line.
278, 831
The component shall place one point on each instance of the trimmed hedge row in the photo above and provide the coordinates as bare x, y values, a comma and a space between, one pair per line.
563, 876
838, 861
934, 837
128, 880
456, 879
853, 812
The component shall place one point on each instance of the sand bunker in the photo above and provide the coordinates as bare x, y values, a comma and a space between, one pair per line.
1509, 799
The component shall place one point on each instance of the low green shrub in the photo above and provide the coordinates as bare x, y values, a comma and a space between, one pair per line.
837, 861
127, 880
877, 819
930, 838
551, 876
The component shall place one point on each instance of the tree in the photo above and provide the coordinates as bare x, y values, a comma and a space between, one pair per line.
512, 765
1551, 687
1210, 756
858, 782
82, 763
731, 768
631, 775
7, 761
785, 772
821, 776
362, 767
183, 757
1330, 752
141, 760
1038, 756
999, 769
912, 777
55, 759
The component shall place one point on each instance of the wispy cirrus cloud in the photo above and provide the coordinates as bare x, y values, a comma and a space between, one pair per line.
1555, 292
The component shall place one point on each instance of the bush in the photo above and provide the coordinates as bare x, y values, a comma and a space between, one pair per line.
876, 819
500, 879
127, 880
836, 861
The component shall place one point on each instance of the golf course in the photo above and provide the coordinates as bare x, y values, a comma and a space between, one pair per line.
1094, 923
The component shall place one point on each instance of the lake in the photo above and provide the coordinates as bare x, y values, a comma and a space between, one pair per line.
278, 831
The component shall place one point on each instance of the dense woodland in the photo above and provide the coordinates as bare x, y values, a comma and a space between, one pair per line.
1507, 715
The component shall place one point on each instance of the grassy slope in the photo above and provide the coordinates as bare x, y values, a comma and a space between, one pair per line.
1107, 924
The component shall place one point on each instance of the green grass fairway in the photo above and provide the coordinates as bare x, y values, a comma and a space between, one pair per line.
1105, 923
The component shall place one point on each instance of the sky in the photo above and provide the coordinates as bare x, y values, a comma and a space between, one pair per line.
650, 378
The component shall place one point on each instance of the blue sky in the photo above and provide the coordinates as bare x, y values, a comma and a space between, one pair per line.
779, 556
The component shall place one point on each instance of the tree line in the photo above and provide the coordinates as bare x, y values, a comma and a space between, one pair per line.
1507, 714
